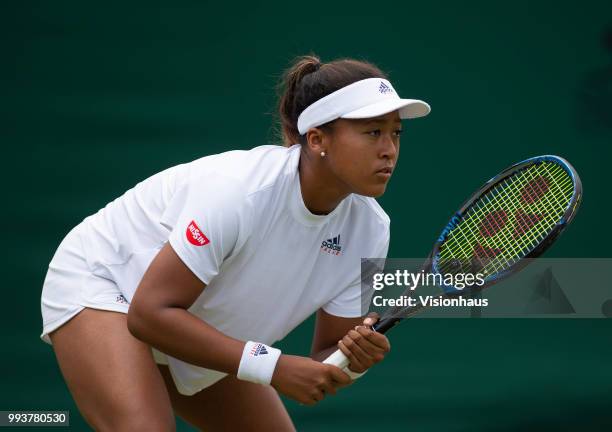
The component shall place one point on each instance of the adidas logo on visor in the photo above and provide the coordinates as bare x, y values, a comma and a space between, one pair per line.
332, 246
383, 88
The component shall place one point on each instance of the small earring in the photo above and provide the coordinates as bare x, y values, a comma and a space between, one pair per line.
322, 154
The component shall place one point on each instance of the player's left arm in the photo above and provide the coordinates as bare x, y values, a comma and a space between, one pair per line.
354, 336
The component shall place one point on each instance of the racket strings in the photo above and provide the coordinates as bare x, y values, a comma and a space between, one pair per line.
509, 221
531, 235
500, 197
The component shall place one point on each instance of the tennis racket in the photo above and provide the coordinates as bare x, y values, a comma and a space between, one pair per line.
516, 215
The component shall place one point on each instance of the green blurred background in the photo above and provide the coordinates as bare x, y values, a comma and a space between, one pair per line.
94, 99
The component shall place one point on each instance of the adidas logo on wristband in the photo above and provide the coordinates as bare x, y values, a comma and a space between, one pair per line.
258, 362
258, 349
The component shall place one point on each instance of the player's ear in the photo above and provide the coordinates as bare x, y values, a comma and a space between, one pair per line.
316, 140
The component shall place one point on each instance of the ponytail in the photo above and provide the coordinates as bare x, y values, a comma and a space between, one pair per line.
306, 81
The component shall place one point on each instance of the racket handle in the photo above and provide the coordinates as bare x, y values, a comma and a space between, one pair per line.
337, 359
385, 324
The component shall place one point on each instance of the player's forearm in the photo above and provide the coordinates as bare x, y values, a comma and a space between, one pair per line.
180, 334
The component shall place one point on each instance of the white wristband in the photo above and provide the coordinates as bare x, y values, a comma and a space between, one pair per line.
258, 362
354, 375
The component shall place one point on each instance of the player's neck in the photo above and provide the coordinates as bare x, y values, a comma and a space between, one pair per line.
321, 191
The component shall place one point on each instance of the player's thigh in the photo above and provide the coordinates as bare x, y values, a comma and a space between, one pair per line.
111, 374
230, 405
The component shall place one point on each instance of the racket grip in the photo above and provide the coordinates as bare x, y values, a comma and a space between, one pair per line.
385, 325
337, 359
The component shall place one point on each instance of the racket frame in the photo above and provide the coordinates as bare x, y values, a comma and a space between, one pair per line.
384, 324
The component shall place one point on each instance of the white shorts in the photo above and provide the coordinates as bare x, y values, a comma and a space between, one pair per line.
70, 286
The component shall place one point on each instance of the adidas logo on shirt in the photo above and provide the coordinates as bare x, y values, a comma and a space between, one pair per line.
257, 350
332, 246
384, 88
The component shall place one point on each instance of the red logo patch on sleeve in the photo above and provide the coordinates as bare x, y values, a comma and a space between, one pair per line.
195, 236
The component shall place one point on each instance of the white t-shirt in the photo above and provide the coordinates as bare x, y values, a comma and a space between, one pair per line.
238, 221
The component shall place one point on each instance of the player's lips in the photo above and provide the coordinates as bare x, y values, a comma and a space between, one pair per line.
385, 171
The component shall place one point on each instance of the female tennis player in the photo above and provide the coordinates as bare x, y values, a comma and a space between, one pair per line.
169, 298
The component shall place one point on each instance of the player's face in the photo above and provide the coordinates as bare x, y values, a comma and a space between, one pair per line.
363, 152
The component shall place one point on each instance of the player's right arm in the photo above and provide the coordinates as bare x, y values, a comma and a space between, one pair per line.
159, 316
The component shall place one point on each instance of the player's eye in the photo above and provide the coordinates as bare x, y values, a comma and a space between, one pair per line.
377, 132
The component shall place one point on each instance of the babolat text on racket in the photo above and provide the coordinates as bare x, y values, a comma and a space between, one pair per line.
515, 216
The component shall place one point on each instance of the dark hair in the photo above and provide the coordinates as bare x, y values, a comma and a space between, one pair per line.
307, 80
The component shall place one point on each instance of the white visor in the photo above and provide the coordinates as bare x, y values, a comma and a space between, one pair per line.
367, 98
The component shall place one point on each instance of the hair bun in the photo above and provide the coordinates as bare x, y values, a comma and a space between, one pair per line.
310, 64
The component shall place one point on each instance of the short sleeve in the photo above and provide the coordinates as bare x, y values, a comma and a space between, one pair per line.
210, 218
353, 301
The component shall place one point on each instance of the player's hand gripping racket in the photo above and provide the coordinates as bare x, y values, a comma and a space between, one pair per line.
516, 215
